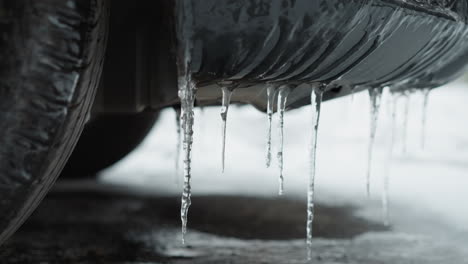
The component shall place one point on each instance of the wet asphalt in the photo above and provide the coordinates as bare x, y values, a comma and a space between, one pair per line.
109, 226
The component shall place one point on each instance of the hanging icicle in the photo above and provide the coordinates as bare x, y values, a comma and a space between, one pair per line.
271, 92
179, 143
426, 93
388, 161
405, 122
187, 97
226, 99
186, 93
375, 95
282, 99
201, 121
316, 101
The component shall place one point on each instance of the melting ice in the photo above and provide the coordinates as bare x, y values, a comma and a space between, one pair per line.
388, 161
375, 95
316, 101
179, 143
226, 98
187, 98
282, 98
405, 122
424, 116
271, 92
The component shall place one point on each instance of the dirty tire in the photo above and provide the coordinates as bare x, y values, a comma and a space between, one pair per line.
106, 140
51, 56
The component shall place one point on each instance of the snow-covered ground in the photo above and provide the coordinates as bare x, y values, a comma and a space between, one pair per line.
427, 187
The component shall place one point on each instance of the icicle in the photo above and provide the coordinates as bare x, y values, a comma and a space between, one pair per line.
187, 91
424, 116
227, 92
405, 122
201, 122
178, 145
388, 162
315, 100
282, 98
271, 92
352, 94
202, 110
374, 94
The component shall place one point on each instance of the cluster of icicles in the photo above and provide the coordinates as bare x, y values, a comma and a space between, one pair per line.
185, 121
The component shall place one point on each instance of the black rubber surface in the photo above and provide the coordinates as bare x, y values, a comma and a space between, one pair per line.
351, 44
107, 139
51, 55
365, 43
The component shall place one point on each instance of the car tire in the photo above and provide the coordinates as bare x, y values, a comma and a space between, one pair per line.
51, 56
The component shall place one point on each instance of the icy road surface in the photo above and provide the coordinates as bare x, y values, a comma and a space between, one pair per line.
238, 217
